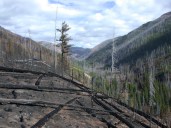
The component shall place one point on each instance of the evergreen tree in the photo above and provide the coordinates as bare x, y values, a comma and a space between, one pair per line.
65, 47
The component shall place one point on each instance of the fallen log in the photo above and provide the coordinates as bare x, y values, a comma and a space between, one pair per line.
43, 120
28, 102
19, 75
121, 118
80, 85
41, 103
150, 118
89, 111
38, 88
19, 70
39, 79
146, 125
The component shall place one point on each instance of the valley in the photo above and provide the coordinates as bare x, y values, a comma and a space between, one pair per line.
43, 84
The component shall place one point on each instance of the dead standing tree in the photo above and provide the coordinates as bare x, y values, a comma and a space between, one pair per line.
65, 47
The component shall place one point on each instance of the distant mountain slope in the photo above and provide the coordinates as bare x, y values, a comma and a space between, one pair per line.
76, 52
79, 52
14, 47
50, 46
136, 44
101, 45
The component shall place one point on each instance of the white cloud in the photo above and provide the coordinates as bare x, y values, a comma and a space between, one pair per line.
91, 22
98, 17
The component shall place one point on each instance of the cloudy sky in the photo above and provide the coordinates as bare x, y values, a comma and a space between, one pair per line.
91, 21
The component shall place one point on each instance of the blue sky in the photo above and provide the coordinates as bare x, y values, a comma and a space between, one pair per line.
91, 22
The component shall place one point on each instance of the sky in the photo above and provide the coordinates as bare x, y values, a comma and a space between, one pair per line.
91, 21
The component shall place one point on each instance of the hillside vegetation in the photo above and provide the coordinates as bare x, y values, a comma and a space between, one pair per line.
142, 68
18, 51
136, 44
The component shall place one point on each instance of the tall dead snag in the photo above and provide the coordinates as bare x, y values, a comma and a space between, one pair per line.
65, 47
151, 66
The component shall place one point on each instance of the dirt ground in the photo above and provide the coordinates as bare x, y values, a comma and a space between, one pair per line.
24, 116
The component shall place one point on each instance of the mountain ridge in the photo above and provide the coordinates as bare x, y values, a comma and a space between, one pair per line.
133, 40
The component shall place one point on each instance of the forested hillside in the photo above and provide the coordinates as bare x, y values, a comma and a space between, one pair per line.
137, 44
16, 50
142, 71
